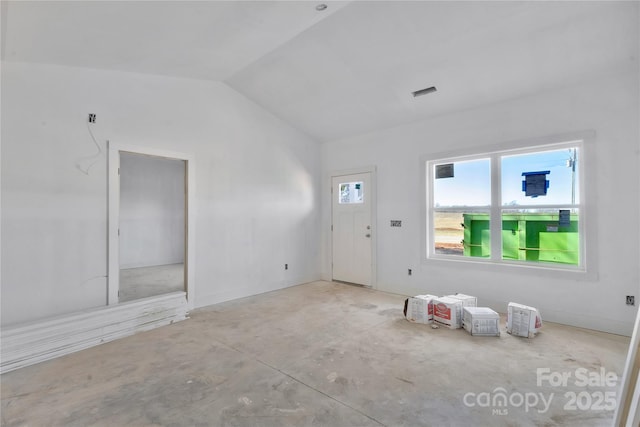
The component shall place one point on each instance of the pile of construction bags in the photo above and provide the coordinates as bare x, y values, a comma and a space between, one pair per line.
461, 311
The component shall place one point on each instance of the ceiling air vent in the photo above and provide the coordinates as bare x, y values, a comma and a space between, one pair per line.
424, 91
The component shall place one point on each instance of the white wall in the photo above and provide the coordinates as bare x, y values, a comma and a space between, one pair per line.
151, 210
256, 185
608, 106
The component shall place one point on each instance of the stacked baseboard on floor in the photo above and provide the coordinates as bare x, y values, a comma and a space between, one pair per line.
27, 344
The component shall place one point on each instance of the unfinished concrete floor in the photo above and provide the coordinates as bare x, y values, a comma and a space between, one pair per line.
319, 354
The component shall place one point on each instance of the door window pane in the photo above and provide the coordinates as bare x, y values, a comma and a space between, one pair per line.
350, 192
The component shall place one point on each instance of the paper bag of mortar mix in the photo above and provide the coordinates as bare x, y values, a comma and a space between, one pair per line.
419, 309
467, 300
522, 320
481, 321
448, 311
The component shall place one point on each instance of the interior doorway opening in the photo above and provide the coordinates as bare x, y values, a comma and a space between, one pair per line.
150, 227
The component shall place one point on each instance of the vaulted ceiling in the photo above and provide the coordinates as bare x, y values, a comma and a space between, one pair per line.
343, 71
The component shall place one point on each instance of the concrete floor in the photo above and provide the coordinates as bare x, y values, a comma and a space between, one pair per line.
319, 354
143, 282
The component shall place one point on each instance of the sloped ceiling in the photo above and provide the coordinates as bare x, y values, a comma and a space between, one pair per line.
209, 40
347, 70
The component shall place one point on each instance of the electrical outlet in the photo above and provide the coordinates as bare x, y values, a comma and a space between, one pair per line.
286, 266
92, 118
409, 272
631, 300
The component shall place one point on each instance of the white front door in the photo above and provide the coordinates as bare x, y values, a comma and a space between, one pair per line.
352, 228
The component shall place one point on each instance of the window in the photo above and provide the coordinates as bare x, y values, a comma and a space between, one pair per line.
520, 206
463, 190
350, 192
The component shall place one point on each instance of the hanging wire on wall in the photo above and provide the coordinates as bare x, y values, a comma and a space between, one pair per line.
93, 159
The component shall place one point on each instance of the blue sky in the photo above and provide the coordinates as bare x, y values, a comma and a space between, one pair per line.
470, 185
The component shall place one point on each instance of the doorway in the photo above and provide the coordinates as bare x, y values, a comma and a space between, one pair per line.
150, 231
152, 225
352, 216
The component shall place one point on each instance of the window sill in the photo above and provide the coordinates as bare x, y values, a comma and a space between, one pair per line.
513, 267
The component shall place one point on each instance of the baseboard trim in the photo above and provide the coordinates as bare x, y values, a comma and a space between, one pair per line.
35, 342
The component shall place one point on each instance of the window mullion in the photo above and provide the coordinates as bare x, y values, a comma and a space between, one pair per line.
496, 211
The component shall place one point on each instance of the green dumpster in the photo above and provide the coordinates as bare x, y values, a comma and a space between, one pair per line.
530, 236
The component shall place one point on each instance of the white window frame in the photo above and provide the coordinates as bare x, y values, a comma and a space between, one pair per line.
586, 180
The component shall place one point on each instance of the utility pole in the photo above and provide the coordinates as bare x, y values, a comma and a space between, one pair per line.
572, 163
